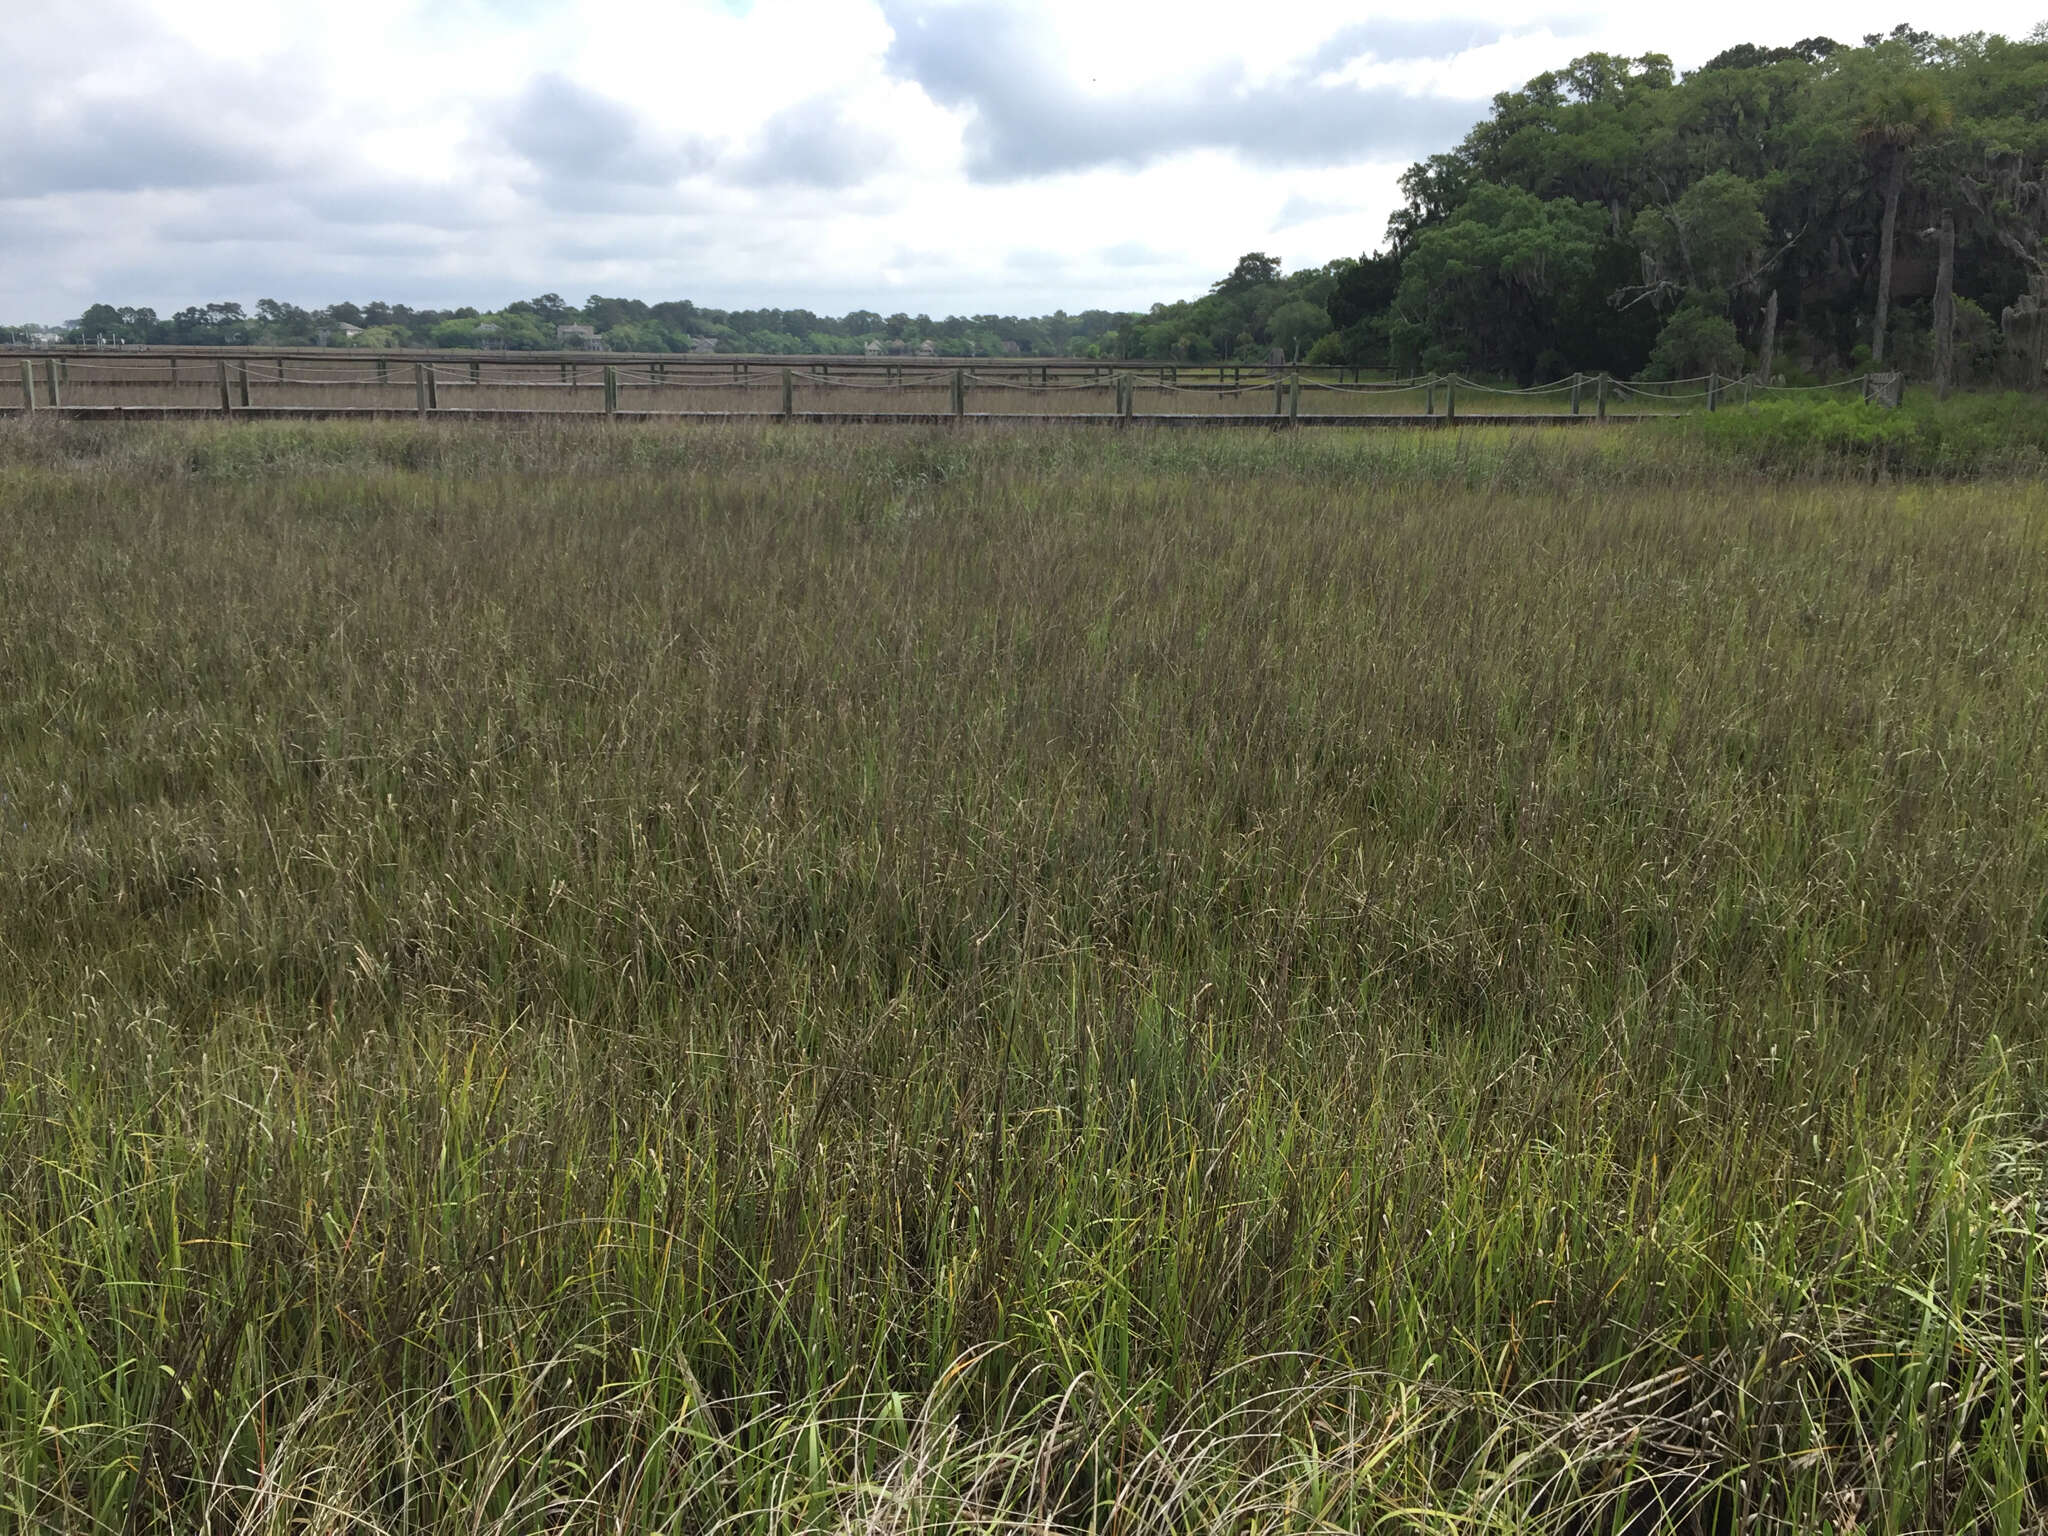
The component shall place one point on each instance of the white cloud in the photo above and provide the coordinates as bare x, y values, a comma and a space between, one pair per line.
965, 155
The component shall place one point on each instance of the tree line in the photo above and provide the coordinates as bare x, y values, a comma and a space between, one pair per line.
1799, 211
1777, 210
619, 324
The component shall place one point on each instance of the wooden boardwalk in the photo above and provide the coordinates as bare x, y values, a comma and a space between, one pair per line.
145, 384
454, 414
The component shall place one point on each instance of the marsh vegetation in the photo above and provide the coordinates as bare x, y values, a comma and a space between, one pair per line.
618, 980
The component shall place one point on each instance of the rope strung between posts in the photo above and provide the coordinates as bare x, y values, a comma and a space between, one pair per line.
828, 382
1656, 394
1165, 387
1807, 389
1366, 389
1462, 382
981, 381
199, 371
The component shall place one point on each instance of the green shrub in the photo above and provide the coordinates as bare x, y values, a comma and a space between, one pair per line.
1966, 435
1694, 341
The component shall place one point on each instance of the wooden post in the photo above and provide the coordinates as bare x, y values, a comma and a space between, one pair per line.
1577, 383
611, 390
959, 392
28, 385
433, 388
227, 399
788, 394
1429, 397
174, 370
1127, 395
52, 382
1294, 397
383, 371
1279, 395
1603, 397
1451, 400
1713, 389
242, 382
419, 388
476, 373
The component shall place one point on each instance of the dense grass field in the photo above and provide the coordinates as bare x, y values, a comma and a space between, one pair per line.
866, 981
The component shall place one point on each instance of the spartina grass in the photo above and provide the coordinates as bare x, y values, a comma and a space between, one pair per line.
753, 980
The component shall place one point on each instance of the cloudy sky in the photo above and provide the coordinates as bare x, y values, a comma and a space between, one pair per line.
938, 155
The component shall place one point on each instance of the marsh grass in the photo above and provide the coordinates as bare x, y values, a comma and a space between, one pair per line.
615, 980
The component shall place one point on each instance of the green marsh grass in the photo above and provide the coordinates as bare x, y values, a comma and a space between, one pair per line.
810, 980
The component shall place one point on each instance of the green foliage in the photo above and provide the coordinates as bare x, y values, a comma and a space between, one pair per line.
1965, 435
1901, 111
1329, 350
382, 338
1244, 314
510, 330
1708, 240
1364, 289
1696, 340
1296, 326
1253, 270
1489, 281
1755, 173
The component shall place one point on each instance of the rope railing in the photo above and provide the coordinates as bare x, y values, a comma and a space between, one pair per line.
980, 381
655, 381
1562, 387
1405, 386
1168, 387
1806, 389
231, 383
826, 381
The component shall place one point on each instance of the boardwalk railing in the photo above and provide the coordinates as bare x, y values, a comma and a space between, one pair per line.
253, 385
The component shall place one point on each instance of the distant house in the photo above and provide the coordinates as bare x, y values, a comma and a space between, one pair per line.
926, 348
873, 349
340, 333
703, 343
42, 336
488, 336
1011, 349
572, 337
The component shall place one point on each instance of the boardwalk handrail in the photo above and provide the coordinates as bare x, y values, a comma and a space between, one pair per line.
168, 384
